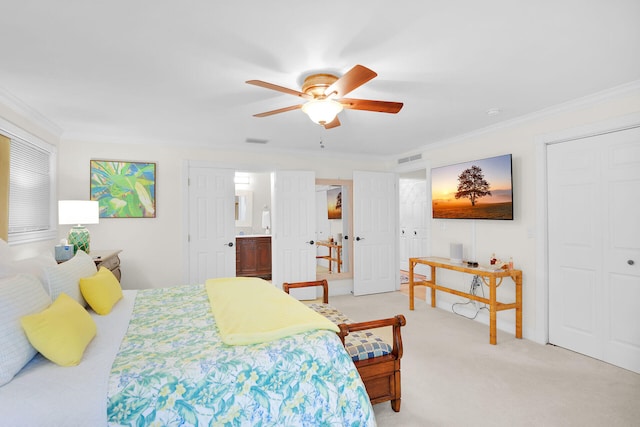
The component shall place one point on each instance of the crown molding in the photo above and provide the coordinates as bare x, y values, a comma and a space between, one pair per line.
29, 113
588, 100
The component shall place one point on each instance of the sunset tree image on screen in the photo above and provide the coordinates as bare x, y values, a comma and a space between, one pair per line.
477, 189
472, 185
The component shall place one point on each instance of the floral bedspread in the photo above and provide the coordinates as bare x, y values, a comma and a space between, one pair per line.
172, 369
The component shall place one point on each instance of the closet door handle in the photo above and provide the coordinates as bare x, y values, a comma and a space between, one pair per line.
311, 242
230, 244
359, 238
631, 262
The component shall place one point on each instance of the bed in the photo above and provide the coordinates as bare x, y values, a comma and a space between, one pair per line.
158, 359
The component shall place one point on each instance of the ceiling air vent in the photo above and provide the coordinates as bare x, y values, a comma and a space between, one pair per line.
410, 159
256, 141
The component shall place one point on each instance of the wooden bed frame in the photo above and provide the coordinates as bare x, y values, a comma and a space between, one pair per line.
380, 374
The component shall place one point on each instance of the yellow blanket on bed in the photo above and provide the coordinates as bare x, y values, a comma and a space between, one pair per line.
251, 310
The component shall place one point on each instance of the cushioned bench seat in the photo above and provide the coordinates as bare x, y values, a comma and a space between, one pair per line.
360, 345
377, 362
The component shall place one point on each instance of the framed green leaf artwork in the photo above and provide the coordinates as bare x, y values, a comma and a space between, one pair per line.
124, 189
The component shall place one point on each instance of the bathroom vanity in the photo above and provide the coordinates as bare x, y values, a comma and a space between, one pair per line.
253, 256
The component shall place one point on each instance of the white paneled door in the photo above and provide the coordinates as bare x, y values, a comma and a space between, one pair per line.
375, 210
594, 246
212, 251
294, 229
413, 222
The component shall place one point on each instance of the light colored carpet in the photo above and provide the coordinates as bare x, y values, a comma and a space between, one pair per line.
452, 376
420, 292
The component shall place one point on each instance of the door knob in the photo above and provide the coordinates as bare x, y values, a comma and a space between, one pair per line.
631, 262
230, 244
359, 238
311, 242
346, 237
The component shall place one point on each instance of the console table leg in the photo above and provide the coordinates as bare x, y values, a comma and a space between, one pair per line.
518, 306
411, 265
433, 289
493, 335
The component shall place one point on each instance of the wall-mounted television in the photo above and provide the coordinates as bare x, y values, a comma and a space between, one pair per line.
480, 189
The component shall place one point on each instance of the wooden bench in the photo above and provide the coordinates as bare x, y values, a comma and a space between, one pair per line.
377, 362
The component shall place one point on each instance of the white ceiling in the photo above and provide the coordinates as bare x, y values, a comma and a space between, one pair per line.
174, 71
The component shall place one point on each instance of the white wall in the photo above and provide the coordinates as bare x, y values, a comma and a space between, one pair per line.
152, 249
517, 238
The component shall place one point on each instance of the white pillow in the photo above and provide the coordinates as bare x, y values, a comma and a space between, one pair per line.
5, 250
6, 259
35, 266
65, 277
10, 266
19, 296
6, 268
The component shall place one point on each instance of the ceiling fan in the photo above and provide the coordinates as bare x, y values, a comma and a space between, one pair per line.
325, 93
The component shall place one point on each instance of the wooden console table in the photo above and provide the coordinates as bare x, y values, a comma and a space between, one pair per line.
335, 254
484, 274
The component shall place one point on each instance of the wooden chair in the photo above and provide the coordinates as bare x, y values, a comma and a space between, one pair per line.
380, 374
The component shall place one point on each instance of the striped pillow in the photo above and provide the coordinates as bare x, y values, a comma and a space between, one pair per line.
65, 277
19, 296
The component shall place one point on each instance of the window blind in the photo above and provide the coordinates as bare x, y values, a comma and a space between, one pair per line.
29, 188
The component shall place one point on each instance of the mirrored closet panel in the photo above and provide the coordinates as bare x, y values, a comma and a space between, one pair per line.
334, 247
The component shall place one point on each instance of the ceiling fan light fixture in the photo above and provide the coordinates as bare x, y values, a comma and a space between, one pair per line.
322, 111
326, 96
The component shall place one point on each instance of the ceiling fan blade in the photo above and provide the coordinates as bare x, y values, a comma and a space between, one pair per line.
369, 105
279, 88
333, 124
279, 110
354, 78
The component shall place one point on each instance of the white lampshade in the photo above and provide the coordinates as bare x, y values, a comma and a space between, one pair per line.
78, 212
322, 111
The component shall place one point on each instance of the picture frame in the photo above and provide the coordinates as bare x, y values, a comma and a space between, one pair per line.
334, 203
124, 189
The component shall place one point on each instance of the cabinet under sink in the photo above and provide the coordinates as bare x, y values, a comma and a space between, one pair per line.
253, 256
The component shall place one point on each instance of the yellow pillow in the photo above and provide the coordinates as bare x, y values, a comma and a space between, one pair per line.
61, 332
102, 291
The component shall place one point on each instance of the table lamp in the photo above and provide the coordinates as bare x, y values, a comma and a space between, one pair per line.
78, 212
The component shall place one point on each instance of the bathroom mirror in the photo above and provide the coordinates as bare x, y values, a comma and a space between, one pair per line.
334, 218
244, 208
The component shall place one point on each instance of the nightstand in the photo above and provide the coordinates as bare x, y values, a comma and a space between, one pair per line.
108, 259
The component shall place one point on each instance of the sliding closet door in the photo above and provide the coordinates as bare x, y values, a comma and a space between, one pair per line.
594, 246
